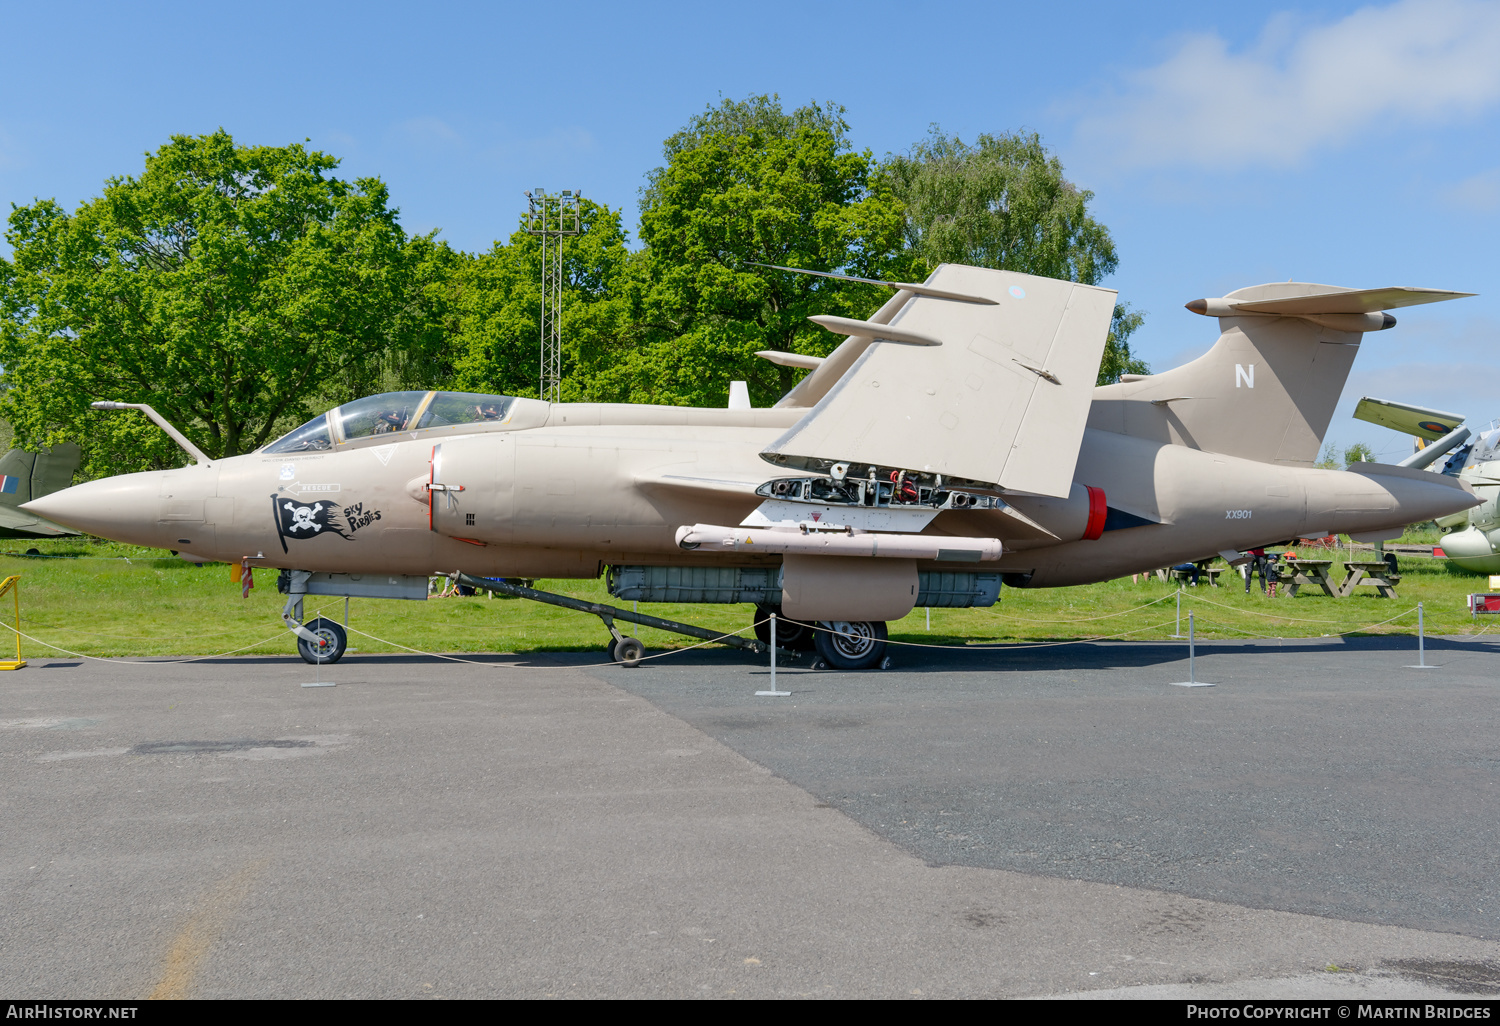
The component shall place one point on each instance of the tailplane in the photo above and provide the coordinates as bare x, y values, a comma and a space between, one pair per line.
30, 475
1267, 389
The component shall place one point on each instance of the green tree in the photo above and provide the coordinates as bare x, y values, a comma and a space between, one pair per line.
748, 183
1004, 203
227, 286
494, 304
1359, 452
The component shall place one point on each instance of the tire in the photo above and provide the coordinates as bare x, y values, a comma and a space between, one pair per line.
856, 645
628, 651
793, 635
336, 642
1390, 561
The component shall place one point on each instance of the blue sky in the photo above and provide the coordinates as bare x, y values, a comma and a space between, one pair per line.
1227, 144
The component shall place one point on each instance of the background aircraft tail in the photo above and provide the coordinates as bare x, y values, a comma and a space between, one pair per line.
1267, 389
30, 475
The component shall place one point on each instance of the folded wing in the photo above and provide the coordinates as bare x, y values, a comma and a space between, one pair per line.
1002, 400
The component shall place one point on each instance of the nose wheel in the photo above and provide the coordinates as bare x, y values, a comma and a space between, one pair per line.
851, 644
332, 642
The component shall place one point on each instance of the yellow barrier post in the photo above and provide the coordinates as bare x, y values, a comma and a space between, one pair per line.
12, 584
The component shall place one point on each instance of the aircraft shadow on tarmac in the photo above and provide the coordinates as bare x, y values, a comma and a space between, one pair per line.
1095, 655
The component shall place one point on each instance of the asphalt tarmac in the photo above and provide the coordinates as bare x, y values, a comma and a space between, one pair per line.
1041, 822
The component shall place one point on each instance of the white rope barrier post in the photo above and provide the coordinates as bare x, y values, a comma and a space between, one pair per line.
773, 693
1422, 663
1192, 681
1177, 631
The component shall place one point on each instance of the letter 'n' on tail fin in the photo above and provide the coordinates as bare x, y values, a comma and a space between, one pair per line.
1267, 389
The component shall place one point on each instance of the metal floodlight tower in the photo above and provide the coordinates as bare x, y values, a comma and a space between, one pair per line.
552, 217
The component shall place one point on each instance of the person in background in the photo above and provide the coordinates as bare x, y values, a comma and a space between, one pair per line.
1190, 568
1258, 562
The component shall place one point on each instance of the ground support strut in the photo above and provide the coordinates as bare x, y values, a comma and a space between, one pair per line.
611, 613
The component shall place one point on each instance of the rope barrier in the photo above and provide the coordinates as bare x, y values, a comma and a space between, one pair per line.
1274, 616
1089, 619
583, 666
118, 660
970, 646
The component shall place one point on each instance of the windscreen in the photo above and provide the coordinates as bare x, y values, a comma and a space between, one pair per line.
310, 437
378, 414
465, 408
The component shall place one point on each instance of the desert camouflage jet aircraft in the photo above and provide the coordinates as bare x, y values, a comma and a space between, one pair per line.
955, 440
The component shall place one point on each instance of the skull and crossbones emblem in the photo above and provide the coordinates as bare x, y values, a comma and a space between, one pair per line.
302, 516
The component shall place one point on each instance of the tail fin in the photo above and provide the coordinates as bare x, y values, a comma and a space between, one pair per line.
1266, 391
30, 475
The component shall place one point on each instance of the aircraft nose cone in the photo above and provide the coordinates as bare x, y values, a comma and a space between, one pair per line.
123, 508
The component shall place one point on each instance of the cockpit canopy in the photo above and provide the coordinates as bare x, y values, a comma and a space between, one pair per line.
392, 412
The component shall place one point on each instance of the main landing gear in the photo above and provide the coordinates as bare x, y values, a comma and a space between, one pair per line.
843, 644
851, 645
792, 634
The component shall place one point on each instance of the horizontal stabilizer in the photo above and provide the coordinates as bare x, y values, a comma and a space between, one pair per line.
1409, 420
1350, 301
1003, 400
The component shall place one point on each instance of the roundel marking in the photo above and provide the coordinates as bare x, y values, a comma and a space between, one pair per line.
1018, 292
1432, 425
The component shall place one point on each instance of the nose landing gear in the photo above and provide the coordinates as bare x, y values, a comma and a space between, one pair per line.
331, 641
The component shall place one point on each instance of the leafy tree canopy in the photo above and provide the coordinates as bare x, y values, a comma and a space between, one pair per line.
744, 184
226, 286
1004, 203
495, 305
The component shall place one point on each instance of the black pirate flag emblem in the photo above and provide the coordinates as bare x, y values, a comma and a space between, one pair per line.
295, 519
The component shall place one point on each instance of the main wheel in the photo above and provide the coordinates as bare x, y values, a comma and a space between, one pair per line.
790, 634
1390, 561
851, 645
333, 642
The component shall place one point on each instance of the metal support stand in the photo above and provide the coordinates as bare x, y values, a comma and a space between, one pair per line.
1422, 663
611, 613
773, 693
12, 584
1192, 681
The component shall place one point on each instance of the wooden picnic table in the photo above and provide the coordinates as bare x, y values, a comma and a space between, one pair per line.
1375, 573
1311, 572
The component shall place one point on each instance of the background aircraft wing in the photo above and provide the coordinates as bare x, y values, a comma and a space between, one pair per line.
27, 475
1409, 420
1002, 400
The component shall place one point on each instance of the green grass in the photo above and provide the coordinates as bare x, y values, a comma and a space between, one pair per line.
103, 599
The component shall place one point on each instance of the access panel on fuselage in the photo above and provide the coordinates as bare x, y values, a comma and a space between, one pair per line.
472, 488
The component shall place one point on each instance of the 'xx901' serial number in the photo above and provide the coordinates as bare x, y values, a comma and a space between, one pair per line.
1236, 514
